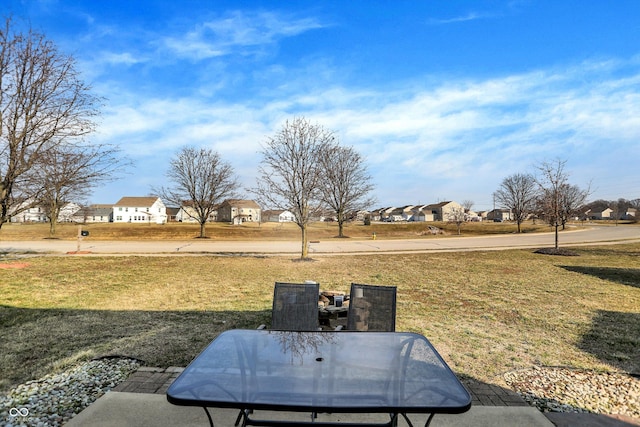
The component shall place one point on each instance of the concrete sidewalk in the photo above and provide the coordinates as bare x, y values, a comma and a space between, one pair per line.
122, 409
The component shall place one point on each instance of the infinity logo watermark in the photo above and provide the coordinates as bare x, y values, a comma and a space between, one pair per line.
18, 412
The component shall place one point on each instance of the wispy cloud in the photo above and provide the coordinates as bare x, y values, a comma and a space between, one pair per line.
239, 32
471, 16
455, 136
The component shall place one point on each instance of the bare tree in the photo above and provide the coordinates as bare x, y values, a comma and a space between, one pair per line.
457, 216
43, 105
69, 173
558, 199
572, 199
518, 193
291, 174
345, 184
201, 181
467, 205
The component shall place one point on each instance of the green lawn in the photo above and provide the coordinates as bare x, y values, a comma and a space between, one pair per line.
486, 312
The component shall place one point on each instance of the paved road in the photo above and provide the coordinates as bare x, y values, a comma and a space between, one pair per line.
589, 236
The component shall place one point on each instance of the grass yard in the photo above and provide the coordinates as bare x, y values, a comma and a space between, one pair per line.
486, 312
254, 231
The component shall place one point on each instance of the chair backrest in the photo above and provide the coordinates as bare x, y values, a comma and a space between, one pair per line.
372, 308
295, 307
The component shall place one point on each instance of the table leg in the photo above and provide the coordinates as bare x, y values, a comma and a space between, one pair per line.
208, 416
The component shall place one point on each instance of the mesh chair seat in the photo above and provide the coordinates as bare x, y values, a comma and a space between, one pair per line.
372, 308
295, 307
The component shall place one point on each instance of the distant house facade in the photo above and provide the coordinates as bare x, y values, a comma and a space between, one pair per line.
278, 216
140, 210
500, 215
443, 211
237, 211
67, 211
422, 214
603, 214
32, 214
94, 214
187, 213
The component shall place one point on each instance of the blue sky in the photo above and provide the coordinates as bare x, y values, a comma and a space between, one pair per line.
444, 99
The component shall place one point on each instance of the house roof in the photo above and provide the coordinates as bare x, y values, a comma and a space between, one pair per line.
241, 203
94, 210
137, 201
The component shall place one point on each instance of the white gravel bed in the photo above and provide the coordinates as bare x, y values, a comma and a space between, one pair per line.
570, 390
55, 399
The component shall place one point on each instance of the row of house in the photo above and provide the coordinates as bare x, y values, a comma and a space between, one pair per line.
442, 211
153, 210
144, 210
608, 213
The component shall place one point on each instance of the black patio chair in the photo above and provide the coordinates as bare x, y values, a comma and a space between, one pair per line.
295, 308
372, 308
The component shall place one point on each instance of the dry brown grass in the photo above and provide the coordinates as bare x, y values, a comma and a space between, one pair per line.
486, 312
252, 231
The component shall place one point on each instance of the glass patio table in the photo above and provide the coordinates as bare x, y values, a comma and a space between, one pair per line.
393, 373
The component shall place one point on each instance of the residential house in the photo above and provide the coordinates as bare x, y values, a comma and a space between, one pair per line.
404, 213
420, 214
443, 211
172, 214
603, 214
67, 211
140, 210
93, 213
382, 214
360, 215
187, 213
238, 211
473, 216
631, 213
278, 216
500, 215
32, 214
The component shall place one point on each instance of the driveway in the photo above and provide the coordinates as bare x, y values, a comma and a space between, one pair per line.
590, 236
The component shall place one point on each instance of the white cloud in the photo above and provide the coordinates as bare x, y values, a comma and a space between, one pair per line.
449, 141
239, 32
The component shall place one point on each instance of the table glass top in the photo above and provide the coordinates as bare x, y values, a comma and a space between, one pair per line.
321, 371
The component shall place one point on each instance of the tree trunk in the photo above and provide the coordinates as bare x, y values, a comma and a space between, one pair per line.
305, 243
340, 227
52, 226
557, 235
202, 230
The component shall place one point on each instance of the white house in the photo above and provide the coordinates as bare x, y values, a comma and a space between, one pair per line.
278, 216
140, 210
33, 214
67, 211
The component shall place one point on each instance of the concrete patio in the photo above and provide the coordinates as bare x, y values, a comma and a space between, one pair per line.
140, 401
